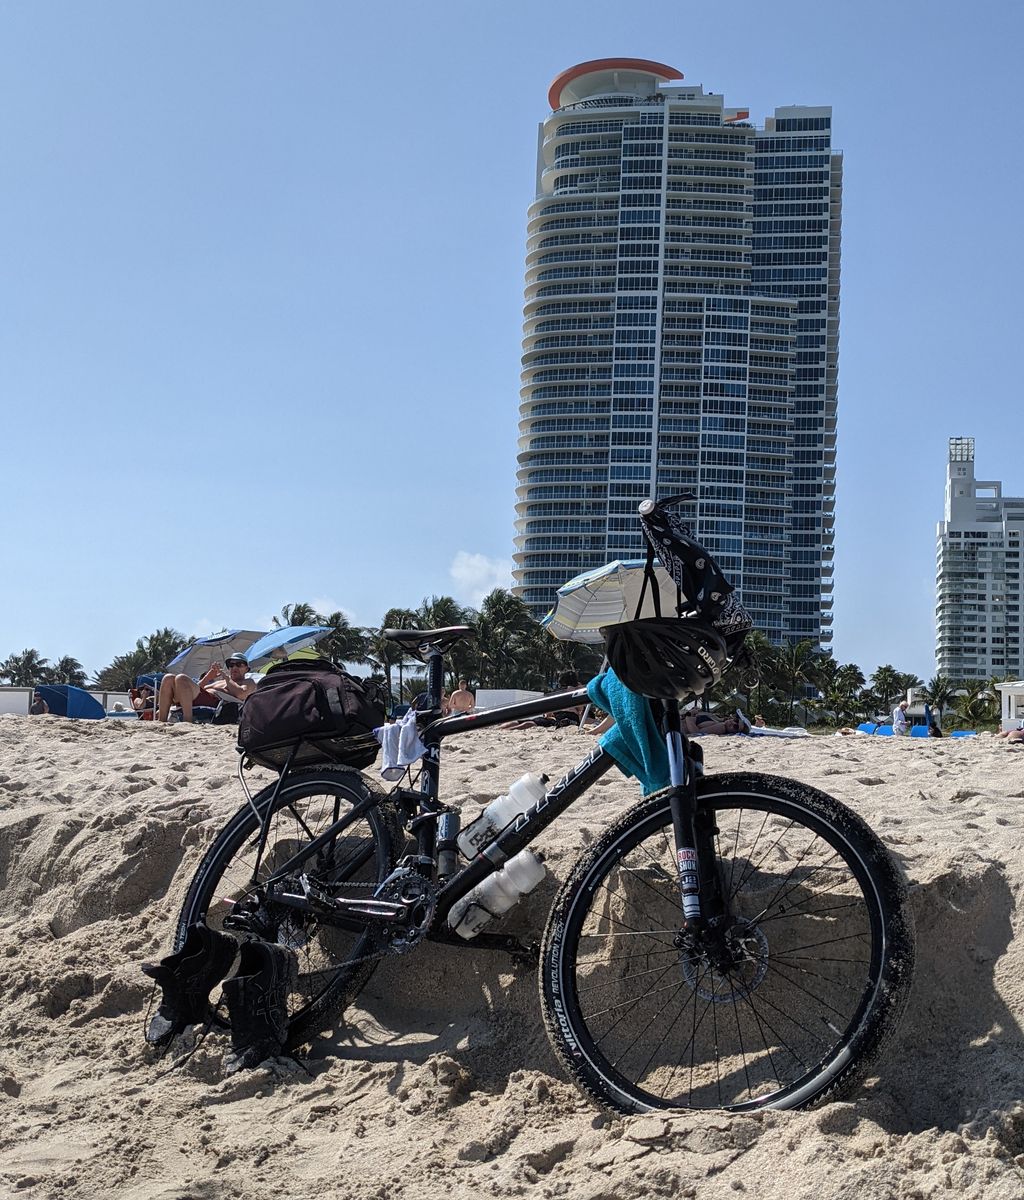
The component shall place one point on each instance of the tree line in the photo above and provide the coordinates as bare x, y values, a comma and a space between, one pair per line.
797, 682
510, 649
787, 684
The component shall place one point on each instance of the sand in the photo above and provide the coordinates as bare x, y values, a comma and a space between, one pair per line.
442, 1080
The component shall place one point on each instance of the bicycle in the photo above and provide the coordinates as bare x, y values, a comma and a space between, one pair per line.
738, 941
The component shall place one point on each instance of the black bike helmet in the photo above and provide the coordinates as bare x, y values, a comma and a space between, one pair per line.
664, 658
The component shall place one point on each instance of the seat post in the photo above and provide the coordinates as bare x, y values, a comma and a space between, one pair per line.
435, 677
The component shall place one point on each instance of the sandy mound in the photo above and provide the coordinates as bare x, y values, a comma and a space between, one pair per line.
442, 1079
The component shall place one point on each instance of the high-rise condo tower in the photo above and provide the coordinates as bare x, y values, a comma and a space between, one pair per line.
978, 591
681, 334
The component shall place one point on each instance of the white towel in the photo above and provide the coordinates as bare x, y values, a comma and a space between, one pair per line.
400, 744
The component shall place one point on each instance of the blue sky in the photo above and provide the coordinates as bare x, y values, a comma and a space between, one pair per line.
262, 272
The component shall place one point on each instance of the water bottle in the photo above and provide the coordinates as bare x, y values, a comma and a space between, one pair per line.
523, 794
496, 894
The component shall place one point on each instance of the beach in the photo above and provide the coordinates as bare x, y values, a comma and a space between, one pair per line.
441, 1079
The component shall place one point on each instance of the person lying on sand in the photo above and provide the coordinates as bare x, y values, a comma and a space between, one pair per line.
697, 724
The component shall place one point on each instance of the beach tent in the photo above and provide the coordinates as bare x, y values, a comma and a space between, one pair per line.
67, 701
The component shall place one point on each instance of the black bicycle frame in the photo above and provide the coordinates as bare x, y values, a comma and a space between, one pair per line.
685, 763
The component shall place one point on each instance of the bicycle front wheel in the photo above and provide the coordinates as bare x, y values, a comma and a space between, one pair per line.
333, 964
819, 965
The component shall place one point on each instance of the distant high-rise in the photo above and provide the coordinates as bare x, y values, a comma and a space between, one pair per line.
681, 334
978, 591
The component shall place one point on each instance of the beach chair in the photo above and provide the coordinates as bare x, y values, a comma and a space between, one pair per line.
151, 681
884, 731
919, 731
866, 727
963, 733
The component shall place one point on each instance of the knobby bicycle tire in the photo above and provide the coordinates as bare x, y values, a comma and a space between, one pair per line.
824, 956
333, 965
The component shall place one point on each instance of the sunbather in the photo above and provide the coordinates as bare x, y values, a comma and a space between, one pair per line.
1013, 735
220, 682
697, 724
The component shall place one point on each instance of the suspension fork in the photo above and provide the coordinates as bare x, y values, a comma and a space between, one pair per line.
695, 852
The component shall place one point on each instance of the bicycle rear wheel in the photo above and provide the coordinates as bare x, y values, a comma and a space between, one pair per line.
822, 956
333, 964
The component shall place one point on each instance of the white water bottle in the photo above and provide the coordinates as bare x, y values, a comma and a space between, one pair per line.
496, 894
523, 794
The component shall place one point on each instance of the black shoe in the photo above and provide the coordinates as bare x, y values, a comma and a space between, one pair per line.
187, 978
257, 998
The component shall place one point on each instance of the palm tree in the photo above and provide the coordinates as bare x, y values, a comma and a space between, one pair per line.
296, 614
345, 643
557, 657
121, 674
993, 695
885, 682
386, 654
972, 701
797, 662
940, 693
160, 647
411, 687
840, 704
850, 678
66, 670
905, 680
826, 671
758, 668
151, 653
505, 629
440, 612
25, 669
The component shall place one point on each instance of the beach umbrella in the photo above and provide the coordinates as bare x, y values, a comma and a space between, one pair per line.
283, 643
606, 596
198, 658
63, 700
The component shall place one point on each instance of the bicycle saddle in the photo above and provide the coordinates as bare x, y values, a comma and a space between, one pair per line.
418, 641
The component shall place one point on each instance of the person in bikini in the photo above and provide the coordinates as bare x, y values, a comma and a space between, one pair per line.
220, 682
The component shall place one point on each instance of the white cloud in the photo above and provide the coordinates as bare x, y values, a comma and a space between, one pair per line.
475, 575
326, 606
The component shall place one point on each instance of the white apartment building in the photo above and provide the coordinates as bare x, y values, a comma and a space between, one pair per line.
681, 334
978, 574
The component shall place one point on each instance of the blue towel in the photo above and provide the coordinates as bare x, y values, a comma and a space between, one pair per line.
634, 741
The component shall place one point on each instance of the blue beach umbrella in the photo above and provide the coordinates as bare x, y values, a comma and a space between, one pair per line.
198, 658
280, 643
64, 700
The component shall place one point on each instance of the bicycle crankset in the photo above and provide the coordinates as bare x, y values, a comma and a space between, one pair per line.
419, 898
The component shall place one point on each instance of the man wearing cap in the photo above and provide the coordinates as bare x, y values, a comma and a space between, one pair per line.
220, 682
